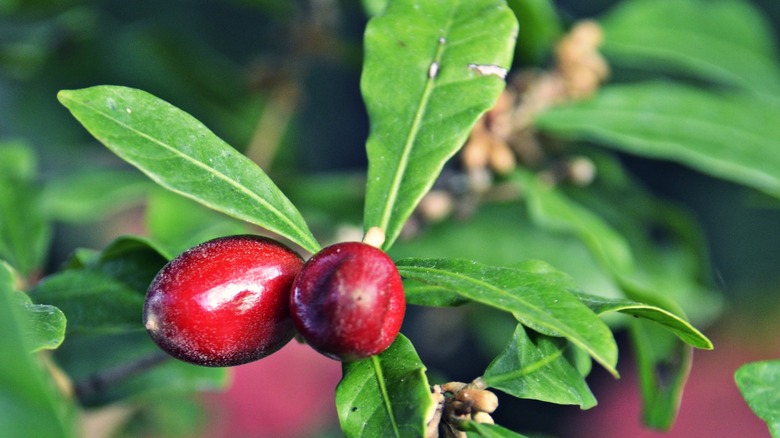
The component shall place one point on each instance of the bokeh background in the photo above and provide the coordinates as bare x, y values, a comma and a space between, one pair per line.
279, 80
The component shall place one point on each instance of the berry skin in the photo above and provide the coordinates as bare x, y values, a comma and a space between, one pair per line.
224, 302
348, 301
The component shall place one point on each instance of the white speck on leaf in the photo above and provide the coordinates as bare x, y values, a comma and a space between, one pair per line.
433, 69
489, 69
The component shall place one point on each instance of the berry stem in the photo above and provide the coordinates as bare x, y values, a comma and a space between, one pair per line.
375, 236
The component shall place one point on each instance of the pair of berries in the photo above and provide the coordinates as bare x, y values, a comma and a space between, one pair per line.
237, 299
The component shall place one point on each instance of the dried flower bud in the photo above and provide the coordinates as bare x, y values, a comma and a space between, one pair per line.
436, 205
452, 387
475, 154
482, 417
502, 160
480, 399
588, 33
582, 171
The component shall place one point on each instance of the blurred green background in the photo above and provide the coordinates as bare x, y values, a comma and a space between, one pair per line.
279, 80
224, 61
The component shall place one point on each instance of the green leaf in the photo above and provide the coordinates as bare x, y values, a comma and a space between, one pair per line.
537, 295
91, 195
24, 231
421, 294
182, 155
728, 136
46, 324
92, 301
132, 260
385, 395
489, 430
664, 364
579, 359
758, 382
663, 360
424, 89
32, 405
728, 41
679, 326
513, 237
537, 369
106, 295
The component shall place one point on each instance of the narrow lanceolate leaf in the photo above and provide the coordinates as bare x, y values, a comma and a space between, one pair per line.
734, 137
680, 327
663, 359
727, 41
386, 395
537, 369
539, 299
431, 69
758, 382
182, 155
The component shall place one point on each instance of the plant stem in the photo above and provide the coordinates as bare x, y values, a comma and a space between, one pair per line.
101, 381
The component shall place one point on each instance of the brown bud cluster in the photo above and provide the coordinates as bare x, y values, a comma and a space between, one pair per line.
458, 402
505, 135
580, 64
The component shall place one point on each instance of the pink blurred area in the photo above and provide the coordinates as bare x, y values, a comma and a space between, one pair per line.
711, 407
289, 394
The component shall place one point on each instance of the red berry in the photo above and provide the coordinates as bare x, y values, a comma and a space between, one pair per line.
348, 301
224, 302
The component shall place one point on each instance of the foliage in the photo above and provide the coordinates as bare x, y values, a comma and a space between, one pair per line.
758, 382
431, 72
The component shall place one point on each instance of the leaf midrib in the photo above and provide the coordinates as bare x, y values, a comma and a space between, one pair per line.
380, 378
211, 170
416, 124
568, 333
497, 379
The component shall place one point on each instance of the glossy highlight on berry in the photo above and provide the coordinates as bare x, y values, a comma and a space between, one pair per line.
224, 302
